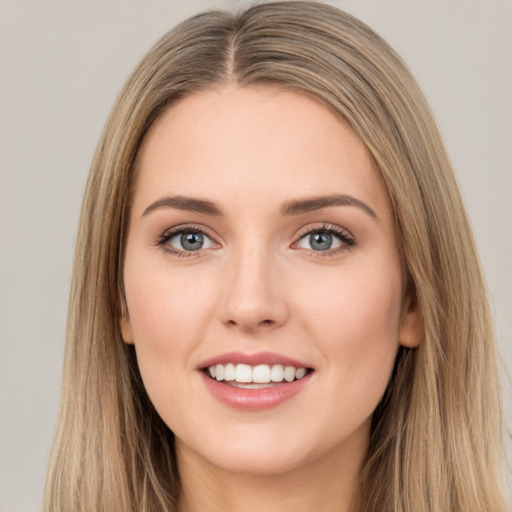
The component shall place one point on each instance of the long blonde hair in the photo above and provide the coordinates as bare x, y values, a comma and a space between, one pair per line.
435, 440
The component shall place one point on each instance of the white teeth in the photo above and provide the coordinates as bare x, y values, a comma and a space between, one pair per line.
300, 373
289, 373
277, 373
243, 373
229, 372
260, 374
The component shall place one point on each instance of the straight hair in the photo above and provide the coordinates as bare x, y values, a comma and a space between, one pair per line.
435, 440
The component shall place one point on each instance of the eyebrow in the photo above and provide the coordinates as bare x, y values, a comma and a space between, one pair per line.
308, 204
293, 207
185, 203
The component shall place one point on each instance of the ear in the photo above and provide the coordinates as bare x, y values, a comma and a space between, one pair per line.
126, 329
411, 325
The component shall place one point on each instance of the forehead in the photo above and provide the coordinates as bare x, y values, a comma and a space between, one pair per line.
251, 143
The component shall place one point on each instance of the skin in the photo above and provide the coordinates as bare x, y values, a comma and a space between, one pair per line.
258, 285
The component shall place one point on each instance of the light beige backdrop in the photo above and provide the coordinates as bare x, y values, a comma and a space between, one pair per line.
62, 64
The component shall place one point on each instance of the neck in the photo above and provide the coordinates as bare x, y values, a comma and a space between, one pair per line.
327, 485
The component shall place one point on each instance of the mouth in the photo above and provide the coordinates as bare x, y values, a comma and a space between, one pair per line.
254, 382
261, 376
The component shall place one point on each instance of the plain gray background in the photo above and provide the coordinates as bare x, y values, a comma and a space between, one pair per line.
62, 64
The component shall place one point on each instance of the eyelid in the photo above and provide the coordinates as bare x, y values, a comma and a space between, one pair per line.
326, 227
170, 233
346, 238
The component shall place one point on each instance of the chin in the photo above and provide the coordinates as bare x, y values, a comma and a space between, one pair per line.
247, 456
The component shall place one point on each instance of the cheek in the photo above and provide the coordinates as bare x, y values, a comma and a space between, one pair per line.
169, 314
354, 323
168, 310
354, 317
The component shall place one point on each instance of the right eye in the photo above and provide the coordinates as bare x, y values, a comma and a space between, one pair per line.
185, 240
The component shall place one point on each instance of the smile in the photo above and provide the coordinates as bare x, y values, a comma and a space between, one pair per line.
252, 377
254, 382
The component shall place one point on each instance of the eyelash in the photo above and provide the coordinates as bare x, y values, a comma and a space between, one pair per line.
171, 233
346, 238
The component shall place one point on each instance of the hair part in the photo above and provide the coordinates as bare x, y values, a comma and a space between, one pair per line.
436, 434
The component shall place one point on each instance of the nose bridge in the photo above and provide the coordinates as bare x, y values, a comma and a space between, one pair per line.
253, 297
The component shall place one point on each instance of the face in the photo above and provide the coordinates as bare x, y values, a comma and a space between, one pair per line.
263, 281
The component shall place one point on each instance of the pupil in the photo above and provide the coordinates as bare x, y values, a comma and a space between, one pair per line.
321, 241
192, 241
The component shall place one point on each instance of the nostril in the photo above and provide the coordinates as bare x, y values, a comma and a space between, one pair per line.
262, 322
251, 327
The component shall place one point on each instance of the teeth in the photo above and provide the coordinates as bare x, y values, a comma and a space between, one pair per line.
300, 373
277, 373
229, 372
289, 373
243, 373
260, 374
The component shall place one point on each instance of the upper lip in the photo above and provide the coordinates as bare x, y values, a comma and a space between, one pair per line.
254, 359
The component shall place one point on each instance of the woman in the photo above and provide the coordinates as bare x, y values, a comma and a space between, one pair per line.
276, 301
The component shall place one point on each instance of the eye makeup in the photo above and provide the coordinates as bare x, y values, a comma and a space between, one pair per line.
191, 240
325, 240
188, 236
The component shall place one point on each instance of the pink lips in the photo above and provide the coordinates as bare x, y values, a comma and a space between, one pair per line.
253, 399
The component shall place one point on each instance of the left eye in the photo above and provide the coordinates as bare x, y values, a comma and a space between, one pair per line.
323, 240
189, 240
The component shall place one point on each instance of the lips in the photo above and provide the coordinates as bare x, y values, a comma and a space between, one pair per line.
254, 381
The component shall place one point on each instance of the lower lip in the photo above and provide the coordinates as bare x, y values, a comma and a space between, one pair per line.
254, 399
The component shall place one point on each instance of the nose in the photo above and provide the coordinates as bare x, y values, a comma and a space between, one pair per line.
254, 295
